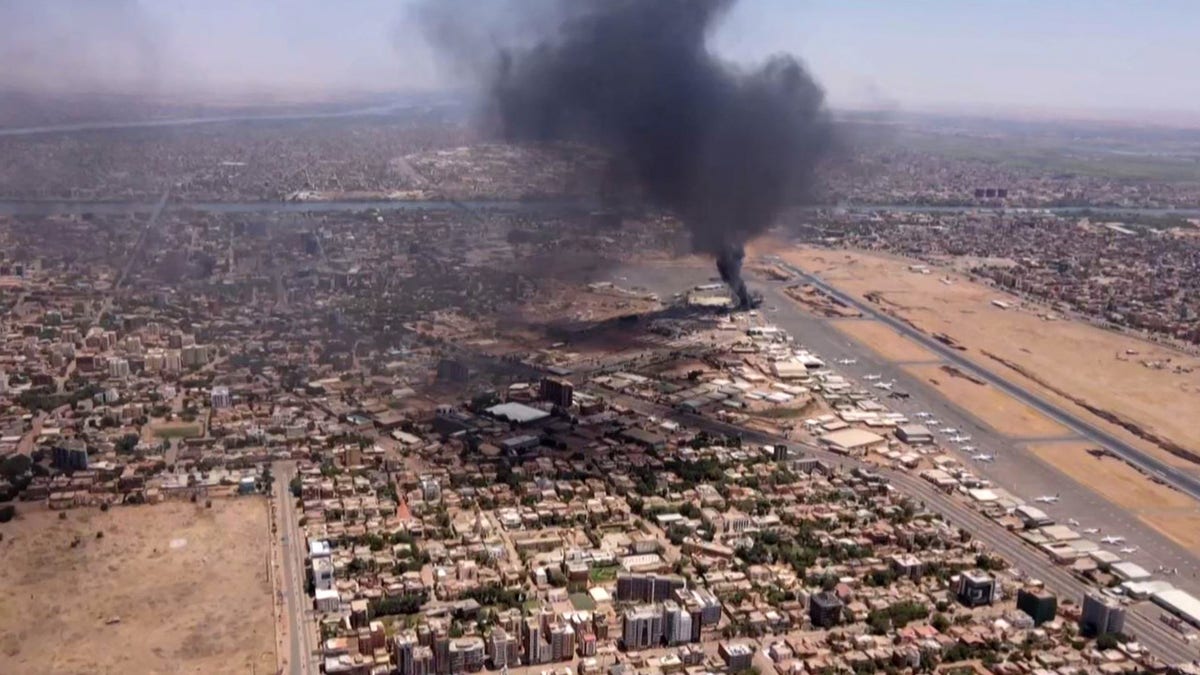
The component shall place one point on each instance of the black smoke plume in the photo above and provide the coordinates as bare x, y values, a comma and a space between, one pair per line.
723, 148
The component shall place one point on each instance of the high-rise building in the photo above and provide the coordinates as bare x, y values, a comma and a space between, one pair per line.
737, 657
677, 623
1101, 615
441, 650
422, 661
118, 368
220, 398
975, 588
559, 392
466, 654
504, 649
642, 628
535, 652
1038, 603
403, 646
647, 587
70, 455
562, 642
825, 610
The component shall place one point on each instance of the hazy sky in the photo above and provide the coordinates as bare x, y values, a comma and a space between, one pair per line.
1055, 54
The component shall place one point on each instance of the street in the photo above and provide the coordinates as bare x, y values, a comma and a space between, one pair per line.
289, 540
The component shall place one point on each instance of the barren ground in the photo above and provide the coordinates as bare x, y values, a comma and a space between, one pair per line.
1172, 513
1077, 359
188, 584
985, 403
883, 340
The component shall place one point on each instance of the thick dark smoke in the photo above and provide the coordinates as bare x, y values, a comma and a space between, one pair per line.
723, 148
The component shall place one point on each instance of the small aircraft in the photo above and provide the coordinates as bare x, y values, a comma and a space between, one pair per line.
924, 414
949, 430
1113, 540
932, 422
1092, 530
872, 377
883, 385
960, 438
969, 448
984, 458
1129, 549
1072, 522
1047, 499
847, 362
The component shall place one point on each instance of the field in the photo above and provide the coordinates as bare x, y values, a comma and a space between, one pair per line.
167, 588
883, 340
990, 406
1172, 513
1065, 361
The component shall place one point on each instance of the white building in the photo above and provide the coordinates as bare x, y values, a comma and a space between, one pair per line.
118, 368
221, 398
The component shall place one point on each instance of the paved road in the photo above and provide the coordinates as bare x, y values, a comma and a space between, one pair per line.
1016, 468
1141, 622
1182, 480
296, 602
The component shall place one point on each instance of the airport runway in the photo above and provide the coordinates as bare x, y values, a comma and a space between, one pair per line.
1015, 469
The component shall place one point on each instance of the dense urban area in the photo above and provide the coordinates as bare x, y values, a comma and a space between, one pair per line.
384, 397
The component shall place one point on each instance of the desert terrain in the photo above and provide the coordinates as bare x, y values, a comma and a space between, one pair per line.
1069, 362
169, 588
985, 403
884, 341
1167, 510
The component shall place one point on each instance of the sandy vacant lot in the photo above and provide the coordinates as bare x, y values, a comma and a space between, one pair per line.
1077, 359
883, 340
1172, 513
985, 403
188, 584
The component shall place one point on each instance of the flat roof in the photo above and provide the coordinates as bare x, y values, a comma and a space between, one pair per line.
517, 412
1181, 602
853, 438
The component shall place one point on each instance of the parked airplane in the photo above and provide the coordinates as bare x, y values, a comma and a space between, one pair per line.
847, 362
1113, 540
1129, 549
984, 458
883, 385
969, 448
960, 438
872, 377
924, 414
1072, 522
1047, 499
1092, 530
949, 430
